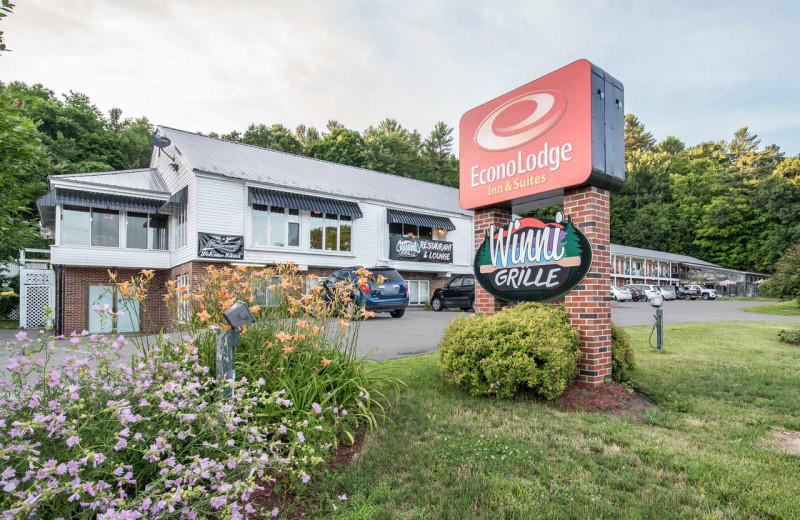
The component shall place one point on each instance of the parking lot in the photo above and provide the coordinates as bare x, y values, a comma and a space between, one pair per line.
418, 332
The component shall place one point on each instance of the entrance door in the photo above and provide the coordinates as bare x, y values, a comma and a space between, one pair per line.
129, 321
100, 296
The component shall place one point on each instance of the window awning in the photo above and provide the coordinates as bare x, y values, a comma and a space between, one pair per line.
395, 216
86, 199
283, 199
177, 200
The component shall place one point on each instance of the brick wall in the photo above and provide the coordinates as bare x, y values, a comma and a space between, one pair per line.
485, 303
153, 311
589, 304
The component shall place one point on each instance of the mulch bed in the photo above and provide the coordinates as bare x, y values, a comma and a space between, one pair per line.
265, 500
609, 398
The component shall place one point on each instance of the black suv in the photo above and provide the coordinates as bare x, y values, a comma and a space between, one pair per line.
458, 292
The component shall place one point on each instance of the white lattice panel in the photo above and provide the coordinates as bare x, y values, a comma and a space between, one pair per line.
36, 294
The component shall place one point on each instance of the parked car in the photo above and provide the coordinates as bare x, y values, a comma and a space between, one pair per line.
458, 292
703, 292
669, 292
621, 294
391, 296
649, 291
636, 294
687, 292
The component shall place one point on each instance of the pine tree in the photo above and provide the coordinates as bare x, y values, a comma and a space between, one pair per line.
571, 242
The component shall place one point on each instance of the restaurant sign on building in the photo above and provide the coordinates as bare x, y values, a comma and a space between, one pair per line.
420, 250
225, 247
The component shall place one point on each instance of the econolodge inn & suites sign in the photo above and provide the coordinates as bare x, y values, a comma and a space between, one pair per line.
563, 130
533, 259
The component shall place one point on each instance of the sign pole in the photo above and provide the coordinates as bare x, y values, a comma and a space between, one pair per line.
589, 304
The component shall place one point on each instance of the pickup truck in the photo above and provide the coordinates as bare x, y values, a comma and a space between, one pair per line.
696, 291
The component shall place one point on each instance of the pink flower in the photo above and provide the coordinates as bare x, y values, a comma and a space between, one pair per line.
95, 308
305, 478
275, 512
72, 441
21, 336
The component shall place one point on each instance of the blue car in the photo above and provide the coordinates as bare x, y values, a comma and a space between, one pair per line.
391, 296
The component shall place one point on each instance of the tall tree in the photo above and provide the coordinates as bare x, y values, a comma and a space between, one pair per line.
636, 138
276, 137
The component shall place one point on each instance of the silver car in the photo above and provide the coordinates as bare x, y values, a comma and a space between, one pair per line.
669, 292
621, 294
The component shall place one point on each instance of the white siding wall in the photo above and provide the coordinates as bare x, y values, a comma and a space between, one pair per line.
109, 257
220, 205
176, 181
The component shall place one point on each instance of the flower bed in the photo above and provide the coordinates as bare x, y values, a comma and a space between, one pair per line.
104, 436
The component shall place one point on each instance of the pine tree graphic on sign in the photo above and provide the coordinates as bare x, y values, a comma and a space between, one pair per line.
571, 243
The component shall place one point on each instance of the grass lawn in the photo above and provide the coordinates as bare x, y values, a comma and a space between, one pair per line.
746, 299
790, 308
9, 324
723, 389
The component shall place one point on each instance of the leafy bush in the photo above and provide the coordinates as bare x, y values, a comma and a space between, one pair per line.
791, 337
9, 303
622, 358
785, 282
529, 346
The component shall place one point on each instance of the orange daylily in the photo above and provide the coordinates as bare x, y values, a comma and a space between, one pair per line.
148, 272
342, 324
302, 324
326, 362
283, 337
204, 316
287, 349
367, 314
255, 308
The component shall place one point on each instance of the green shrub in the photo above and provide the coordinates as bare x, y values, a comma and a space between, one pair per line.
529, 346
791, 337
622, 359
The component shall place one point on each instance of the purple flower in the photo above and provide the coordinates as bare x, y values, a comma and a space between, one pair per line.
305, 478
275, 512
301, 437
342, 497
218, 502
95, 308
21, 336
72, 441
317, 408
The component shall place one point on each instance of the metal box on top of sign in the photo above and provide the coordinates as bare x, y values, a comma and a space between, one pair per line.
563, 130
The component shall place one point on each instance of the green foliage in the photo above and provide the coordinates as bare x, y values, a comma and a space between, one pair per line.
20, 152
785, 283
623, 360
6, 8
11, 302
530, 346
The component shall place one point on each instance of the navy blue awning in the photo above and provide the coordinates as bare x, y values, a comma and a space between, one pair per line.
395, 216
177, 200
87, 199
264, 197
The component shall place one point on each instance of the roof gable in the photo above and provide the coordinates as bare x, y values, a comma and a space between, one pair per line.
143, 179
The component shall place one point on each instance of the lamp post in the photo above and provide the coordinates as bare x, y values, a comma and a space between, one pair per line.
656, 302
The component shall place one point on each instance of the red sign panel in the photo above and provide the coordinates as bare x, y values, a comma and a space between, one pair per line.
532, 140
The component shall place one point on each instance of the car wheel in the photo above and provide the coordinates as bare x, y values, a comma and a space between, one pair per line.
398, 313
436, 304
705, 297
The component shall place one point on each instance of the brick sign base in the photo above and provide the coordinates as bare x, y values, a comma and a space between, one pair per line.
589, 304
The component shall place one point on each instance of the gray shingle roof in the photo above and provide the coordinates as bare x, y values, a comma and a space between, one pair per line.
144, 179
639, 252
286, 170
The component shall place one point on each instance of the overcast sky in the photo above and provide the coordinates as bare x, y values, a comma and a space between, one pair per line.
696, 70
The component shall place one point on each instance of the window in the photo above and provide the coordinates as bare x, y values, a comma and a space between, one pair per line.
180, 227
275, 226
105, 228
457, 282
145, 231
330, 232
412, 231
469, 282
418, 292
75, 223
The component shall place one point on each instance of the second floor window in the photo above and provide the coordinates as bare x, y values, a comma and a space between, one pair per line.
146, 231
331, 232
275, 226
89, 226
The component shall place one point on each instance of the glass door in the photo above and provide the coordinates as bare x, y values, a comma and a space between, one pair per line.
100, 296
129, 321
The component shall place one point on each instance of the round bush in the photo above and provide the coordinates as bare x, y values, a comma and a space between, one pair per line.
622, 359
529, 346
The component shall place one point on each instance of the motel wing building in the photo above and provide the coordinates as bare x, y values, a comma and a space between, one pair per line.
204, 200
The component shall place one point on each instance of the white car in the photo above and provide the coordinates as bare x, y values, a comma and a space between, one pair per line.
650, 291
621, 294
